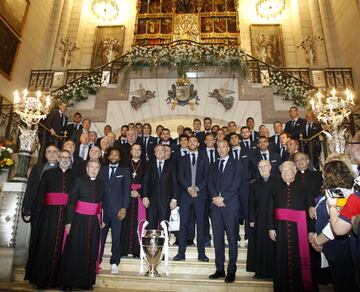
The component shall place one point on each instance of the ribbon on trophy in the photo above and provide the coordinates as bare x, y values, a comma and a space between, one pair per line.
166, 246
141, 232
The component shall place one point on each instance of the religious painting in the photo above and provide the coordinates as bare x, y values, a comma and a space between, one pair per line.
219, 5
108, 44
231, 24
153, 26
154, 6
144, 6
9, 45
141, 28
267, 44
230, 5
207, 6
14, 13
186, 6
220, 24
166, 26
207, 24
166, 6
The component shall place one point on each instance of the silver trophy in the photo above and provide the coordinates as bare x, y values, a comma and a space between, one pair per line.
154, 244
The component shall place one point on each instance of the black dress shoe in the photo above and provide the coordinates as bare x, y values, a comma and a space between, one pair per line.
230, 278
217, 275
203, 258
179, 257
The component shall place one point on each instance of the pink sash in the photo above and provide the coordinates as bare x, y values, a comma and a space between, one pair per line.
141, 208
56, 199
87, 208
299, 217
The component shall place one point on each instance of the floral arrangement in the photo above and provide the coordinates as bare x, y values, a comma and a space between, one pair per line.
66, 49
309, 46
6, 160
188, 55
80, 89
289, 88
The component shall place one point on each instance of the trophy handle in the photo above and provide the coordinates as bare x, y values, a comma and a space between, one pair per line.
165, 250
142, 224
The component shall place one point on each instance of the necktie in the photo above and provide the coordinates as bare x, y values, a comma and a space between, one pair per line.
82, 152
293, 124
247, 145
282, 151
159, 169
211, 156
184, 153
62, 119
145, 141
264, 156
221, 167
236, 154
193, 160
112, 174
277, 139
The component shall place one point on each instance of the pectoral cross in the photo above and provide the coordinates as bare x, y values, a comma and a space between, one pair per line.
134, 174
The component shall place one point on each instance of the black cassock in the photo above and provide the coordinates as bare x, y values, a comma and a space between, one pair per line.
129, 237
44, 261
291, 273
81, 249
261, 249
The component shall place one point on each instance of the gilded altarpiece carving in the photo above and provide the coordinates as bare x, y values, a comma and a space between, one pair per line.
204, 21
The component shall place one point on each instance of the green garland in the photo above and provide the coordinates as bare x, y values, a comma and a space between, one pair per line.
79, 90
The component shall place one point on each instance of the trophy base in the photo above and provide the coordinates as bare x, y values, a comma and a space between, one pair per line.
152, 273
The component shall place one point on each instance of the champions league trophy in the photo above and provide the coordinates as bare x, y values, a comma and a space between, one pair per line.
154, 244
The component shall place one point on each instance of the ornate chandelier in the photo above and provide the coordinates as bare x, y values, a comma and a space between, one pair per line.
105, 9
31, 111
270, 8
333, 110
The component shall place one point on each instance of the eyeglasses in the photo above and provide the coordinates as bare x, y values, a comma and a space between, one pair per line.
65, 157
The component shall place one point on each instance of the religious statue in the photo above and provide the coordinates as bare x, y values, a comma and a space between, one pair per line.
66, 49
265, 45
309, 46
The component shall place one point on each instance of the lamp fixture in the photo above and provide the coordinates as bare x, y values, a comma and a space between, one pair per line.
270, 8
105, 9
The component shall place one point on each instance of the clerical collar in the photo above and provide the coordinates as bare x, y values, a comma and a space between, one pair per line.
302, 171
92, 178
63, 170
136, 160
52, 164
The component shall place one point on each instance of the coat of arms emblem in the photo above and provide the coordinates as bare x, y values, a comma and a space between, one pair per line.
182, 93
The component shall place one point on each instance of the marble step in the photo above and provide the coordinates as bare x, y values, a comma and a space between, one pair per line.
190, 266
191, 252
174, 282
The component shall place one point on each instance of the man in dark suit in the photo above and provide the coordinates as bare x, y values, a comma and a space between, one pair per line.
192, 178
263, 153
131, 138
180, 131
197, 131
247, 145
56, 122
75, 125
275, 139
160, 188
310, 129
296, 124
225, 180
284, 153
254, 135
148, 143
181, 150
116, 179
107, 130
